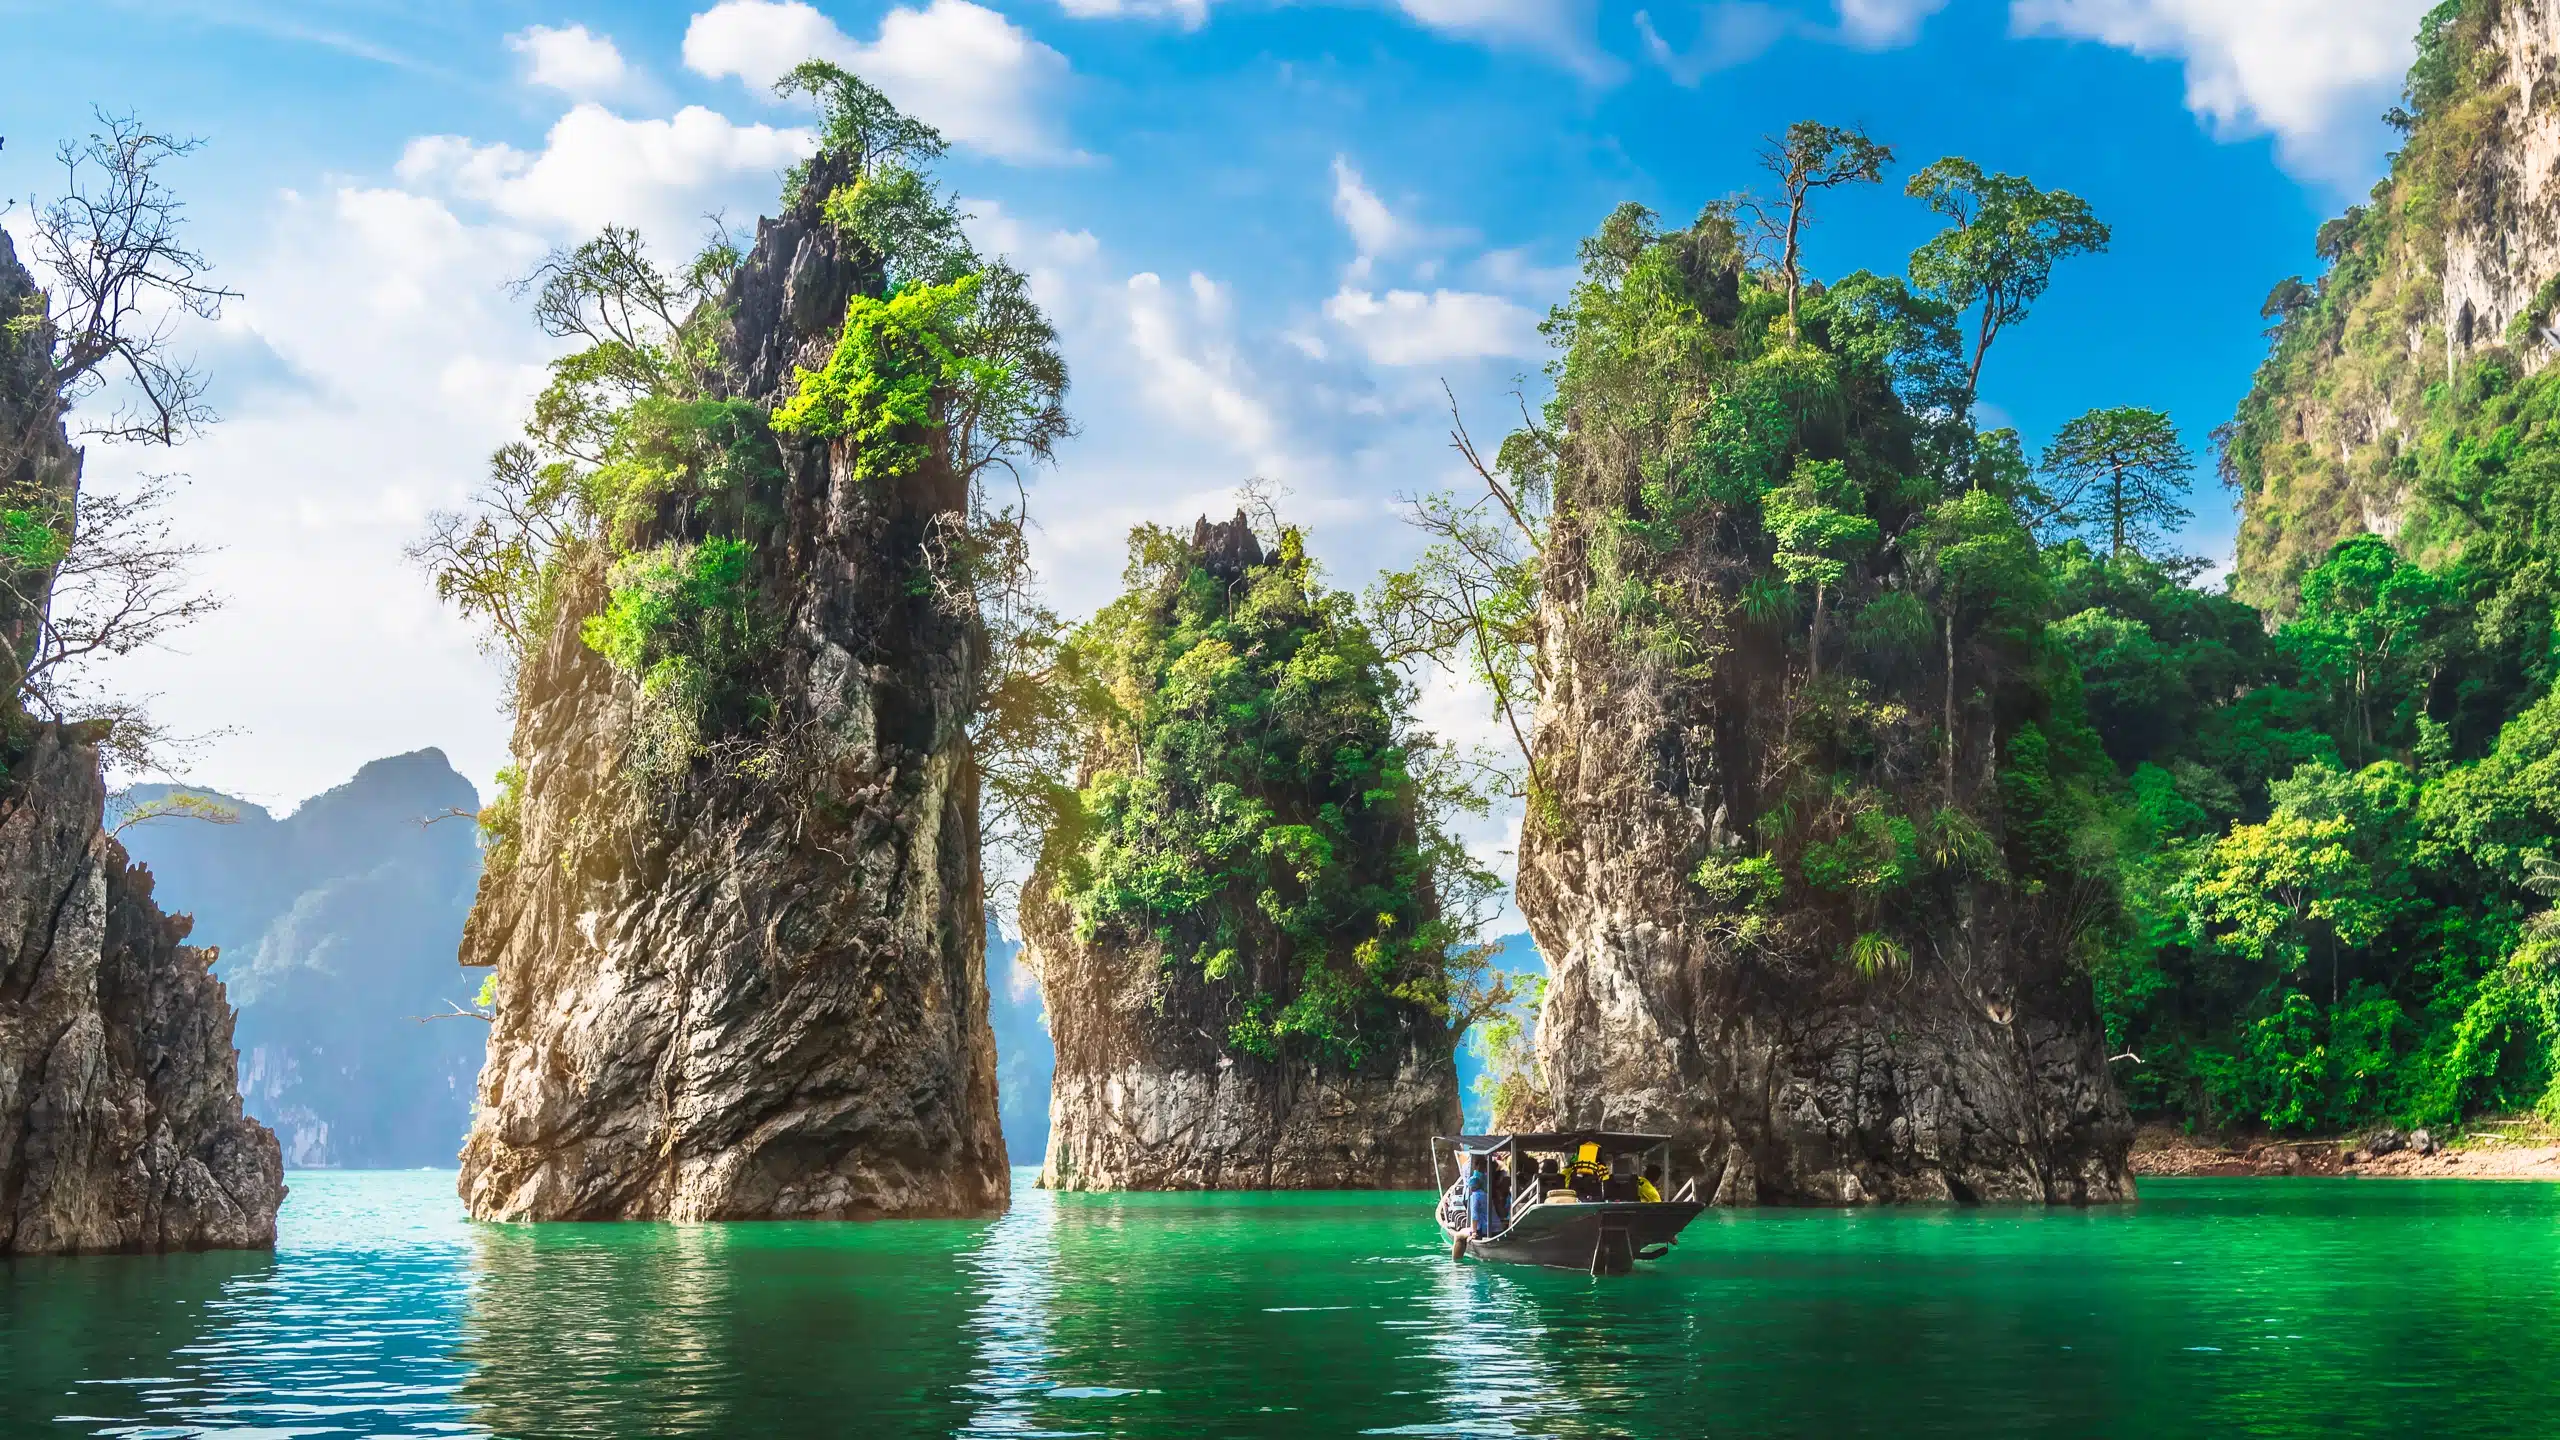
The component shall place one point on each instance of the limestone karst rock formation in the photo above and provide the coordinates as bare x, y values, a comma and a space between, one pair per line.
748, 997
1816, 923
2454, 260
1172, 955
120, 1119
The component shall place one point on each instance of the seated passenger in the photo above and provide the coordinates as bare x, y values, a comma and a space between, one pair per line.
1649, 1185
1618, 1182
1479, 1216
1551, 1184
1586, 1174
1497, 1186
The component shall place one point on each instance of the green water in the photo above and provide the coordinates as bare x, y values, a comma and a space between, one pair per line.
2210, 1308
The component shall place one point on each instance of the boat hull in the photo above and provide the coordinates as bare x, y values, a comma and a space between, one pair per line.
1604, 1239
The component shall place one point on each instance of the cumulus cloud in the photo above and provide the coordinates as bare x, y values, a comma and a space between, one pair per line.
2311, 72
574, 61
411, 364
1374, 227
1408, 327
978, 77
597, 168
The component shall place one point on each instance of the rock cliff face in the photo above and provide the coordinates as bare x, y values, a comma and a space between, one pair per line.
1799, 850
1163, 1082
1980, 1076
120, 1119
747, 999
2453, 260
1146, 1099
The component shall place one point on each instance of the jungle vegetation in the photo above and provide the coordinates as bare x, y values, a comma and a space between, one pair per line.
2312, 848
1258, 814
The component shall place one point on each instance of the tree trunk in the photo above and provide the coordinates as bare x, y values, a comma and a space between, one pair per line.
1821, 593
1951, 706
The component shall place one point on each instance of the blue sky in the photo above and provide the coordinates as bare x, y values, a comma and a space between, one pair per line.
1268, 232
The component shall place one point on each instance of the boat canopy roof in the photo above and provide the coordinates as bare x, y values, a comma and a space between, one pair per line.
1558, 1140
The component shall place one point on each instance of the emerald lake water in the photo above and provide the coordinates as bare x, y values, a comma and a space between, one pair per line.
2260, 1307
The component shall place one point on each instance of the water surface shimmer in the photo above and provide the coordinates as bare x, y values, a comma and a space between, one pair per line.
2259, 1307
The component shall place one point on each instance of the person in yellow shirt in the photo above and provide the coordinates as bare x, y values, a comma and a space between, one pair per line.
1649, 1185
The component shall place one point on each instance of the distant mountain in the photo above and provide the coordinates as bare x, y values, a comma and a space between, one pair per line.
337, 925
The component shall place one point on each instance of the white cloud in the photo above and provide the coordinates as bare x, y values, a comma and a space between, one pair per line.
1728, 35
968, 71
1191, 369
2312, 72
1192, 13
598, 168
1557, 29
1886, 24
1372, 225
574, 61
1408, 327
411, 363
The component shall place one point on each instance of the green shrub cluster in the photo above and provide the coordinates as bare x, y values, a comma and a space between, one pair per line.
1250, 808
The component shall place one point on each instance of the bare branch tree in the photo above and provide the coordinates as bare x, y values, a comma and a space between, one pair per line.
122, 584
121, 281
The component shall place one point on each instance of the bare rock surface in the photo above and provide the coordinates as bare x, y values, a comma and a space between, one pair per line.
1978, 1076
751, 998
120, 1118
1144, 1101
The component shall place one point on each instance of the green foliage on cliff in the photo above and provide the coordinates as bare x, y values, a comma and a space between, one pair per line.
2331, 895
1256, 810
2364, 353
1771, 488
640, 467
878, 387
2337, 835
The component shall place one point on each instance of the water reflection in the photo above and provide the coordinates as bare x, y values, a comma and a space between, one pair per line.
2257, 1307
716, 1330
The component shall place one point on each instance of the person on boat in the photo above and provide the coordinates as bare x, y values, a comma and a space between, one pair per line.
1479, 1213
1618, 1183
1497, 1186
1587, 1174
1649, 1185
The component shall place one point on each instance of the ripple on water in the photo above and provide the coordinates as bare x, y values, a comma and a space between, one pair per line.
2246, 1308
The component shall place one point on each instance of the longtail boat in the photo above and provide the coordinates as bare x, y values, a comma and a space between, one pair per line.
1583, 1215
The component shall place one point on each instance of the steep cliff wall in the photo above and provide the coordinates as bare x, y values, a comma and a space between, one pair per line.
1800, 850
1236, 934
120, 1120
2454, 259
757, 989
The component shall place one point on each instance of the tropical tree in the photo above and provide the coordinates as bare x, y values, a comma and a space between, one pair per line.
2118, 475
1819, 526
1998, 255
1807, 160
2369, 632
